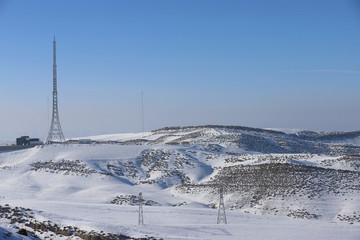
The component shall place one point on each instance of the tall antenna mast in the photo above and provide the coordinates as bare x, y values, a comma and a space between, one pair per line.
221, 212
48, 113
142, 111
55, 132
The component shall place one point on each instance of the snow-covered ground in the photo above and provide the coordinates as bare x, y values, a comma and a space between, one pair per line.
77, 185
186, 223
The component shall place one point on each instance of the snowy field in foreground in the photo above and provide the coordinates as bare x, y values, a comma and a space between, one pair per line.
186, 223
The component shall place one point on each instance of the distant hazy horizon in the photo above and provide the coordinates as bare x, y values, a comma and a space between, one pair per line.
263, 64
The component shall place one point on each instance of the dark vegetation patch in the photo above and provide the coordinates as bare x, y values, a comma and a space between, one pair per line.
132, 200
171, 164
66, 167
355, 217
303, 214
251, 185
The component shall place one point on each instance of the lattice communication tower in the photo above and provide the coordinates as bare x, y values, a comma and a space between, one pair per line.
56, 134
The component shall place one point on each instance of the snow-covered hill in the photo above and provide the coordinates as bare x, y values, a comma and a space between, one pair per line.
245, 138
78, 190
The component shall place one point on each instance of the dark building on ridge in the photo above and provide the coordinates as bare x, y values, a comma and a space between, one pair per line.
26, 140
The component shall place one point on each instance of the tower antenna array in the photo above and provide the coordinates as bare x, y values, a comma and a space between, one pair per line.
55, 133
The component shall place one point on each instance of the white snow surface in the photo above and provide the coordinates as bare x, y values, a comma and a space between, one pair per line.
286, 130
83, 201
186, 223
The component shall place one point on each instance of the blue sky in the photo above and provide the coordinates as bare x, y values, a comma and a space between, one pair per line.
260, 63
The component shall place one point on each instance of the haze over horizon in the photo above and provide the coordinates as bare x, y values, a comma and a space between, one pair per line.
278, 64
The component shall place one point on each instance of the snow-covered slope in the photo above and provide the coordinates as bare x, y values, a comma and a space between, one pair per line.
268, 176
10, 234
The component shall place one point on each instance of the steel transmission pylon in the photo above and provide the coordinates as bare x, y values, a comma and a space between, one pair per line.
221, 211
55, 133
141, 215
